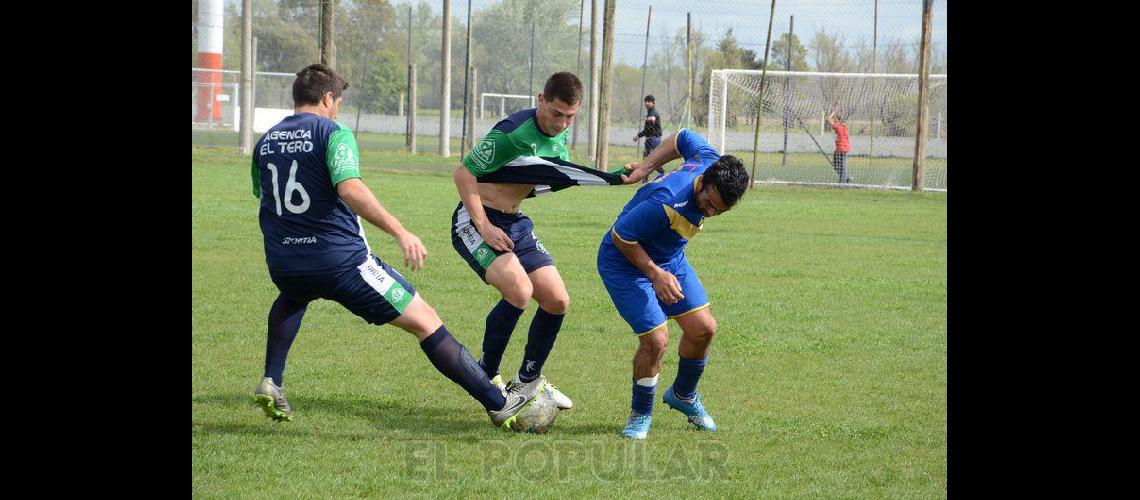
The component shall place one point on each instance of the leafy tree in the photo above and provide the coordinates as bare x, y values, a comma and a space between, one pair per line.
830, 53
779, 53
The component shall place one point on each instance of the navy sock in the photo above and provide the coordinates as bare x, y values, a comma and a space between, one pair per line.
284, 322
453, 360
540, 340
642, 398
501, 323
688, 374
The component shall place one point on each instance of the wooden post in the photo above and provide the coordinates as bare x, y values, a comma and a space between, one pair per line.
578, 71
607, 85
445, 84
787, 90
473, 126
412, 104
328, 45
924, 76
874, 69
246, 124
759, 105
689, 66
644, 63
468, 118
409, 124
592, 130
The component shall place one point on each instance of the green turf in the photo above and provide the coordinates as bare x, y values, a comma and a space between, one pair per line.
827, 377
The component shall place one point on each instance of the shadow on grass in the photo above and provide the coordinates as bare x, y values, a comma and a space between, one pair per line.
384, 414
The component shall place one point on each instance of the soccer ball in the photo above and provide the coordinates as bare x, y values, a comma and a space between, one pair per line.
539, 416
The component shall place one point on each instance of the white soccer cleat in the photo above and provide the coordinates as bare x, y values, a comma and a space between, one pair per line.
560, 400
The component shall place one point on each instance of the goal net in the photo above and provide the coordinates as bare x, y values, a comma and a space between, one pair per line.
796, 143
502, 105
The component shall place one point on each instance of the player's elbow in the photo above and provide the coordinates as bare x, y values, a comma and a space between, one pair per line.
461, 174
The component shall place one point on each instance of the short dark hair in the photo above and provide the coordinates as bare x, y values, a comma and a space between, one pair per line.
728, 176
650, 98
314, 81
563, 86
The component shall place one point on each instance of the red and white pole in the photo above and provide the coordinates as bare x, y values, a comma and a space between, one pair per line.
209, 57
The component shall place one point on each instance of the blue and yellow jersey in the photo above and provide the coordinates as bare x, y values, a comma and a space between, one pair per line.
663, 215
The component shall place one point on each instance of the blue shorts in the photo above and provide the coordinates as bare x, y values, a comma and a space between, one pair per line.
479, 255
373, 290
632, 293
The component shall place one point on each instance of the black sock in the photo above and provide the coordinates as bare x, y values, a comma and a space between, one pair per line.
543, 330
453, 360
284, 322
501, 323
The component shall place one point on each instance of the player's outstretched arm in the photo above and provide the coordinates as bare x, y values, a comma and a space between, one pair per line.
364, 203
468, 187
660, 155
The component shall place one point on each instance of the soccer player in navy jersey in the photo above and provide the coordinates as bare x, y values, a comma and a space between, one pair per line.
643, 266
306, 171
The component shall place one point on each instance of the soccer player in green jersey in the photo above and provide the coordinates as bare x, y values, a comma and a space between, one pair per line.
498, 240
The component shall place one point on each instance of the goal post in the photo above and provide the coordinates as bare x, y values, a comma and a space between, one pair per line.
504, 104
879, 110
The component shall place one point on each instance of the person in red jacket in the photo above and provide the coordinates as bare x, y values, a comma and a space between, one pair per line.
842, 146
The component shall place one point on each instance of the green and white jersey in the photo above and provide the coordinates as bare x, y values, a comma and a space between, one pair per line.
515, 136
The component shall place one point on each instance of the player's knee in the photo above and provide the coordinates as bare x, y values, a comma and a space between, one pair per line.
559, 304
704, 333
653, 345
518, 294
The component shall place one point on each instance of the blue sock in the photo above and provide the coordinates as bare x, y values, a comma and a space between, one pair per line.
501, 323
284, 322
540, 340
643, 398
453, 360
688, 374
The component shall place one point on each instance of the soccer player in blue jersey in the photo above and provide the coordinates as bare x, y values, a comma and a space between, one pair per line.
643, 266
306, 171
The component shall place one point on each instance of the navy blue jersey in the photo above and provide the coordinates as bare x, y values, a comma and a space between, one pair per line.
307, 228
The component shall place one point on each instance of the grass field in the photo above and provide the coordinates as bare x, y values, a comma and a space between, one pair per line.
827, 377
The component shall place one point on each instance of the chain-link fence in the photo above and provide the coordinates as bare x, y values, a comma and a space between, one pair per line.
517, 44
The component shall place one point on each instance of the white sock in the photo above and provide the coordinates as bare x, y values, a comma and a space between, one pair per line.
648, 381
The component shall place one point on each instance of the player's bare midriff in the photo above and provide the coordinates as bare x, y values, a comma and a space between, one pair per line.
505, 198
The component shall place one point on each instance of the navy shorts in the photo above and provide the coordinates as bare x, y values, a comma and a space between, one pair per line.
373, 290
479, 255
650, 144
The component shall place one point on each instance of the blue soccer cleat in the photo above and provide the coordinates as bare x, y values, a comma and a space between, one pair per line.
637, 427
692, 409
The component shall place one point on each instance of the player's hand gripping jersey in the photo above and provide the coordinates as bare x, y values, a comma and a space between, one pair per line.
663, 215
516, 151
308, 229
